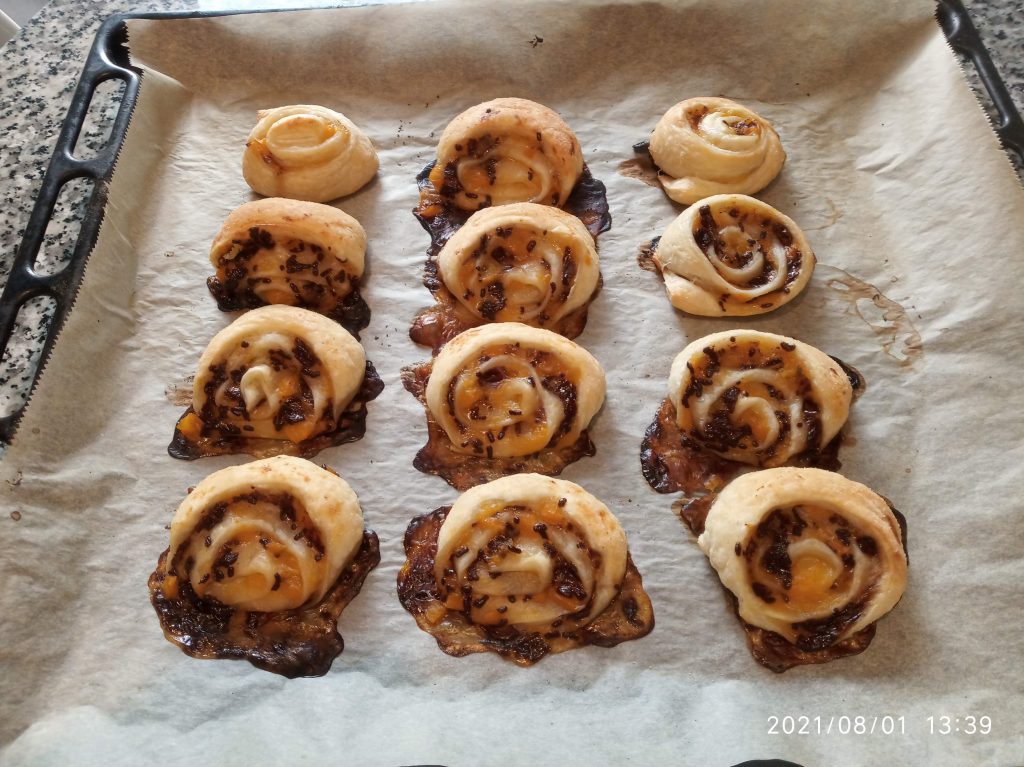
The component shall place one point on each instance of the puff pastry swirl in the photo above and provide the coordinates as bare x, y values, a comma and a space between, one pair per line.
809, 555
273, 381
758, 398
733, 255
307, 152
520, 262
707, 146
524, 565
280, 251
262, 559
506, 150
508, 389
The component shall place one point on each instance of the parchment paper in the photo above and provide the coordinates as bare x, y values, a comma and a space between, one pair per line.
898, 181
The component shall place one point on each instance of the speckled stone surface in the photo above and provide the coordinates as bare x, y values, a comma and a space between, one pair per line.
38, 71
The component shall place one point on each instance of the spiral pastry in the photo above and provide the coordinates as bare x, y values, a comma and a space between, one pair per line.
511, 390
810, 556
707, 146
279, 251
307, 152
524, 565
263, 558
758, 398
733, 255
506, 150
274, 381
522, 262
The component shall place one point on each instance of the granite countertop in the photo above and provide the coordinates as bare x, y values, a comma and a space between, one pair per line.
40, 67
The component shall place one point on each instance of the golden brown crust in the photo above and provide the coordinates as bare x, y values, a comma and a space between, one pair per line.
277, 380
758, 398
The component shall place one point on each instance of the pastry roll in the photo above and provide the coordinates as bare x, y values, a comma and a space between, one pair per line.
263, 559
506, 398
279, 379
744, 398
707, 146
758, 398
523, 566
307, 152
521, 262
506, 150
280, 251
510, 390
733, 255
813, 560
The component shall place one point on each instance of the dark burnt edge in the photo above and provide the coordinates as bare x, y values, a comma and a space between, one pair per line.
655, 471
855, 377
351, 312
778, 654
312, 658
588, 201
351, 427
522, 648
482, 469
646, 253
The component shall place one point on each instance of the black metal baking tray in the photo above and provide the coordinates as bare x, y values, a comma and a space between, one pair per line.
108, 60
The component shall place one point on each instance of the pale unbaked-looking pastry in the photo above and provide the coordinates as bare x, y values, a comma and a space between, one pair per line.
810, 556
523, 566
307, 152
281, 251
506, 398
758, 398
506, 150
733, 255
706, 146
275, 381
263, 558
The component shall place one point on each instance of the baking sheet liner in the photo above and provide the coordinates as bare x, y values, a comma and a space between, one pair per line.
912, 209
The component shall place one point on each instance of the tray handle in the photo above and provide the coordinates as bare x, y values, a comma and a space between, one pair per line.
107, 60
964, 39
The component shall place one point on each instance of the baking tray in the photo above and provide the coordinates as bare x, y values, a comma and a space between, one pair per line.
108, 61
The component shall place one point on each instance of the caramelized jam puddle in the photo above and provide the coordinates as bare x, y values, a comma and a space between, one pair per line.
293, 643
